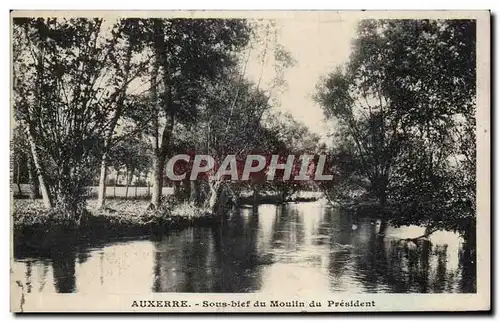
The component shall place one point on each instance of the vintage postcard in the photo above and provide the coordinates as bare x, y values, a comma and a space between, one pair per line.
250, 161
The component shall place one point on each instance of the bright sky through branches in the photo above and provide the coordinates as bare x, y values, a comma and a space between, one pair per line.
317, 44
318, 47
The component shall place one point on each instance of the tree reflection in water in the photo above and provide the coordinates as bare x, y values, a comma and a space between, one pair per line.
290, 247
218, 259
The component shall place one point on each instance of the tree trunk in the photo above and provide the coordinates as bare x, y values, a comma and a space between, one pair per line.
34, 188
161, 142
181, 190
193, 191
127, 183
215, 189
101, 195
469, 257
283, 194
101, 199
255, 195
176, 189
18, 178
47, 200
158, 165
114, 186
470, 238
383, 212
383, 227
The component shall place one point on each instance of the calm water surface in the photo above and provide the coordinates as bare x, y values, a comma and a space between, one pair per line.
288, 249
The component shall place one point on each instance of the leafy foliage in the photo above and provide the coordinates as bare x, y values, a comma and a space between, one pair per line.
404, 107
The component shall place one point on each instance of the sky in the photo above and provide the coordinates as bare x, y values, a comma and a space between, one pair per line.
318, 42
318, 46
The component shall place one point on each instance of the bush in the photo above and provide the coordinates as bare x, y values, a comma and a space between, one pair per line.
187, 210
118, 217
32, 213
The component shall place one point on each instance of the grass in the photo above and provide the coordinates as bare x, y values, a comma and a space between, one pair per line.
118, 217
275, 199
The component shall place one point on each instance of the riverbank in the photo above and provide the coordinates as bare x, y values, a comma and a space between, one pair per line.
134, 211
275, 200
246, 254
120, 218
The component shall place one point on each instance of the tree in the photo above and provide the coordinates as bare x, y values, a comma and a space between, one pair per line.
188, 53
20, 157
132, 153
66, 85
357, 100
129, 61
223, 117
289, 137
405, 104
443, 130
236, 105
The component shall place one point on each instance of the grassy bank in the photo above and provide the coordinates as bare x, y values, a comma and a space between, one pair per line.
273, 199
119, 218
122, 213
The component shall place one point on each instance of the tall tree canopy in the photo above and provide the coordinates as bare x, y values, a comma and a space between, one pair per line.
404, 108
70, 75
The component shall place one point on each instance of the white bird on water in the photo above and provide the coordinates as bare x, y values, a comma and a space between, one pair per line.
354, 226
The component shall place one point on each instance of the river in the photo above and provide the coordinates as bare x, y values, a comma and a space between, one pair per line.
292, 249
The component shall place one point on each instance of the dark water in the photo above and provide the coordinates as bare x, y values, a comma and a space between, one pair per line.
288, 249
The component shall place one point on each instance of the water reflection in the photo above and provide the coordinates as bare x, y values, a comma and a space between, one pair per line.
63, 268
291, 249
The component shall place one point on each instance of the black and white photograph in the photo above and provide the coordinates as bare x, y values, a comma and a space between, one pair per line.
250, 161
